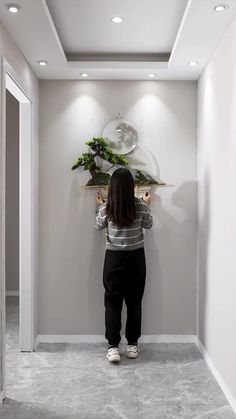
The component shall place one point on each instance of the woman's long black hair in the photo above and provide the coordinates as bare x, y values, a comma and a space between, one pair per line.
121, 200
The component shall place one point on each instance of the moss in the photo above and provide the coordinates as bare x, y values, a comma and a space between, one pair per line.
142, 178
99, 179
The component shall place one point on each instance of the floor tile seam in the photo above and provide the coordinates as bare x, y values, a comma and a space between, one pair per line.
39, 367
137, 388
163, 380
126, 367
182, 402
168, 366
215, 410
47, 368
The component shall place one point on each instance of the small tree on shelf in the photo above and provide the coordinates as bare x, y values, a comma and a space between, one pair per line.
100, 148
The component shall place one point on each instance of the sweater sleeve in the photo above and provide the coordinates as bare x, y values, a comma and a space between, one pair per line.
100, 221
147, 220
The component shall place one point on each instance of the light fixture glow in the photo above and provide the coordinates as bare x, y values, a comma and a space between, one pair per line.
151, 75
42, 63
13, 8
221, 7
193, 63
117, 19
84, 75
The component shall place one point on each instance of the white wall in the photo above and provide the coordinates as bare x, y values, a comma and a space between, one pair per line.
29, 83
12, 193
217, 209
71, 251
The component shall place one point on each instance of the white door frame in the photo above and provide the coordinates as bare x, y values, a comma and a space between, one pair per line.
10, 81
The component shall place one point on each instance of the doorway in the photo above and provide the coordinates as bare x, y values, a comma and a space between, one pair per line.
12, 223
16, 218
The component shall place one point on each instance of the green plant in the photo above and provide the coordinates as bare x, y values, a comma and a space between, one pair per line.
100, 148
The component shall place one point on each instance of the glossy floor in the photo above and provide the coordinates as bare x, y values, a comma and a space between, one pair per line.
75, 381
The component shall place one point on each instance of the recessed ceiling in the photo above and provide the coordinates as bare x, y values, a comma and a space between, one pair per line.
159, 37
85, 27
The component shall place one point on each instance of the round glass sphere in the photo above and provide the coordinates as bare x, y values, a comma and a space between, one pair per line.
121, 135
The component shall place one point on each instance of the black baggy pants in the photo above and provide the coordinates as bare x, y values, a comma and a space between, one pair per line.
124, 276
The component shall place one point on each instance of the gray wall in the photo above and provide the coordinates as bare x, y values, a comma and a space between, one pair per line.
71, 251
12, 193
217, 210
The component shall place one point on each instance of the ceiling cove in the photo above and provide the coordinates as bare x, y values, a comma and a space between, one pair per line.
75, 37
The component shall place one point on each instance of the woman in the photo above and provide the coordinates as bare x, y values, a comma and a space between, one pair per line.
124, 272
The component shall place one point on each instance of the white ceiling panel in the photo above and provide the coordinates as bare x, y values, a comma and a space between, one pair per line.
51, 30
85, 26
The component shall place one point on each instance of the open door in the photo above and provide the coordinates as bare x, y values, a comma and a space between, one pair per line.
25, 218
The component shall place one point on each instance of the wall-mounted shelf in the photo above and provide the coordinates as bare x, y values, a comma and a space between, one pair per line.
139, 190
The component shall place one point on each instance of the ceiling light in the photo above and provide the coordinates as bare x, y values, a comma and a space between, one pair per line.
84, 75
13, 8
42, 63
117, 19
151, 75
193, 63
221, 7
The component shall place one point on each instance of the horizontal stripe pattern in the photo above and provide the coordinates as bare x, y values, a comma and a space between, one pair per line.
128, 238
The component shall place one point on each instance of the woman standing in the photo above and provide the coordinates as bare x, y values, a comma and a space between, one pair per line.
124, 217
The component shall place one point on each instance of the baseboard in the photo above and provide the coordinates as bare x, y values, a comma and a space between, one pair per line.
101, 339
168, 339
12, 293
229, 396
36, 342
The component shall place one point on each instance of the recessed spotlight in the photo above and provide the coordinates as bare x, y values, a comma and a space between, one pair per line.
193, 63
84, 75
42, 63
13, 8
117, 19
151, 75
221, 7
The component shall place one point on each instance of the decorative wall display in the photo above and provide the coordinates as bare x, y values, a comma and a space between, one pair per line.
99, 181
108, 153
121, 136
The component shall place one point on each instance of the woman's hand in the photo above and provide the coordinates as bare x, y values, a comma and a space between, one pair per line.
147, 198
99, 200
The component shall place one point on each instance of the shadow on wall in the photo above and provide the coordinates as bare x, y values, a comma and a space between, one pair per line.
169, 302
152, 300
185, 197
95, 280
203, 259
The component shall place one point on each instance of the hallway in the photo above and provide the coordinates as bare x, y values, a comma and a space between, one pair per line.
75, 381
148, 88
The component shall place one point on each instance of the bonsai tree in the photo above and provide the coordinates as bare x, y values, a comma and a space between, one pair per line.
100, 148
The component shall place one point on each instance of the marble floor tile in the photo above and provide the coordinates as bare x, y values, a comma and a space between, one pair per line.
75, 381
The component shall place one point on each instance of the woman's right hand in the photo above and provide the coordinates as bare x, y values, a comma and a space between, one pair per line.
147, 198
99, 200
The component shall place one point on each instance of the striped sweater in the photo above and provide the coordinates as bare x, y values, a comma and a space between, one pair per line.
125, 238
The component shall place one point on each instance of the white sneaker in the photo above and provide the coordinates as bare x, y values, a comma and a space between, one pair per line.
132, 351
113, 354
